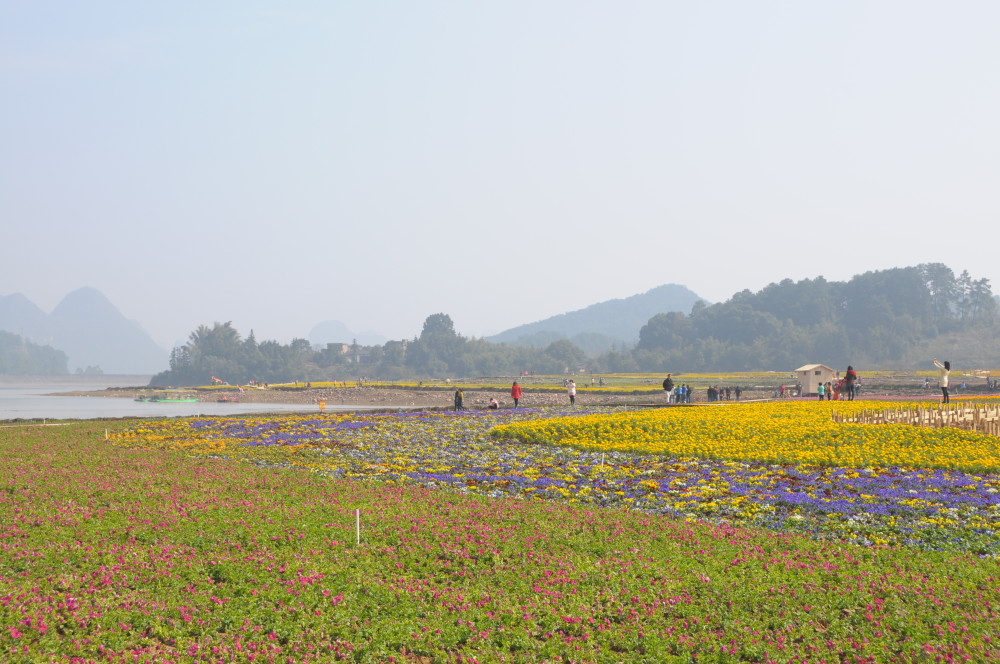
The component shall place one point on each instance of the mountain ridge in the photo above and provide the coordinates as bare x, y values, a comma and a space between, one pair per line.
88, 327
617, 320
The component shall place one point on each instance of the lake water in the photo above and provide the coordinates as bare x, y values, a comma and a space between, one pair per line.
28, 399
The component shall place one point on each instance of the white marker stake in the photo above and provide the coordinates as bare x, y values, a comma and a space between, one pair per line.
357, 525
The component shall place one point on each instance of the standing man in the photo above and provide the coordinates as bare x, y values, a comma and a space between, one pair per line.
571, 390
459, 397
515, 393
668, 387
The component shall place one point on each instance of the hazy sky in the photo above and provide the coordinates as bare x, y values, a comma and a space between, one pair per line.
277, 164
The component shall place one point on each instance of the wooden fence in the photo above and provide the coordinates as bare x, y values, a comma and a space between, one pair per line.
982, 418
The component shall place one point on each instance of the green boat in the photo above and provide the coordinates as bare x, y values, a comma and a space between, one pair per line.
169, 397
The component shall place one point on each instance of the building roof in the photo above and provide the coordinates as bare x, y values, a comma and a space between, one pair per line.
813, 367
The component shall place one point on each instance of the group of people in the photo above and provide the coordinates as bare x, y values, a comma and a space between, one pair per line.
716, 393
515, 395
676, 393
846, 388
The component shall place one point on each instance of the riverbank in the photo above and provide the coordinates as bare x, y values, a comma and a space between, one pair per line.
383, 397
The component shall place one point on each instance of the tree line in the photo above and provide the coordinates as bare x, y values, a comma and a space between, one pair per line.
439, 351
874, 319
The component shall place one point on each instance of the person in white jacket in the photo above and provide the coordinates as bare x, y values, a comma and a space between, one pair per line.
944, 370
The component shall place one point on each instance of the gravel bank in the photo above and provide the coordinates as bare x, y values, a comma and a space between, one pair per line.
385, 397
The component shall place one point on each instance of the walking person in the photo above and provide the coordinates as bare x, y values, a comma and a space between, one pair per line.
944, 370
515, 393
571, 390
459, 398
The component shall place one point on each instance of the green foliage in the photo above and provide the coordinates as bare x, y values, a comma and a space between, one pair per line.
20, 357
876, 318
220, 352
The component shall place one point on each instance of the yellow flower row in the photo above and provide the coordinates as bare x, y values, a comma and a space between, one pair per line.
795, 432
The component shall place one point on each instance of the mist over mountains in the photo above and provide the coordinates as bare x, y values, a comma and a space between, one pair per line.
604, 325
888, 318
94, 335
89, 329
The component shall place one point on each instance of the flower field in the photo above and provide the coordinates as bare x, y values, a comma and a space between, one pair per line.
782, 466
798, 433
233, 539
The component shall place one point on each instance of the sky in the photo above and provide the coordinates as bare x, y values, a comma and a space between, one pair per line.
279, 164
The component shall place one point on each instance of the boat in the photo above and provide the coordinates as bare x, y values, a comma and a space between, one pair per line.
170, 397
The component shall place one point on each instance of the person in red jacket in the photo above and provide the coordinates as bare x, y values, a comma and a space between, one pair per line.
515, 393
850, 378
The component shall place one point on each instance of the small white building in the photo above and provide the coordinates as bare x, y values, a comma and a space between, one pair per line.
811, 375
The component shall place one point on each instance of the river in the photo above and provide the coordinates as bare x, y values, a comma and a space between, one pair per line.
30, 398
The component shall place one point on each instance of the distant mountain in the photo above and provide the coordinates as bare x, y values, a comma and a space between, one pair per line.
20, 316
335, 332
600, 326
89, 329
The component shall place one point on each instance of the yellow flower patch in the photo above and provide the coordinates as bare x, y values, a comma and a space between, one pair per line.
787, 433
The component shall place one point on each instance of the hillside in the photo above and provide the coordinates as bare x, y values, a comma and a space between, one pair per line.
896, 318
605, 324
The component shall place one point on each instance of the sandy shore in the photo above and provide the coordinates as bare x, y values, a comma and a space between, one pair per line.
383, 397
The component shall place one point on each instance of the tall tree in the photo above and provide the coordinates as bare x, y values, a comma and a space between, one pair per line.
439, 349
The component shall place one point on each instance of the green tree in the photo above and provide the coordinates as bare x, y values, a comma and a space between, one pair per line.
439, 350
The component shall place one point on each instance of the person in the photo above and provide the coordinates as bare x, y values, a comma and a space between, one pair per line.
829, 391
458, 399
849, 379
668, 387
821, 390
515, 393
571, 390
494, 404
944, 370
